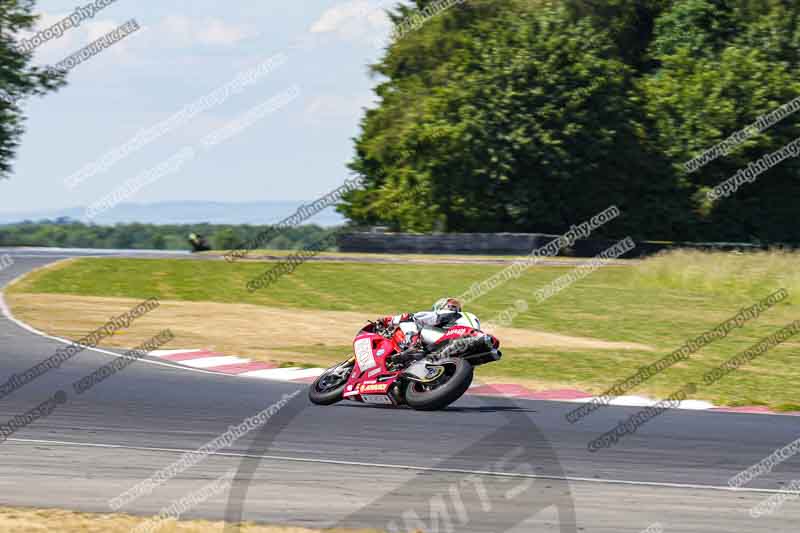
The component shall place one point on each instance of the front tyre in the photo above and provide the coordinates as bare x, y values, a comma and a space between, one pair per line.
328, 388
453, 383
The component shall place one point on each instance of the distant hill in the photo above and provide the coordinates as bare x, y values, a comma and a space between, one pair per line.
182, 213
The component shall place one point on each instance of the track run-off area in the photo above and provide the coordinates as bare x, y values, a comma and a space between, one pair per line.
484, 464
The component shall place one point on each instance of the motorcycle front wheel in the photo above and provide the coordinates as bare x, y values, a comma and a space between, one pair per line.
443, 391
328, 388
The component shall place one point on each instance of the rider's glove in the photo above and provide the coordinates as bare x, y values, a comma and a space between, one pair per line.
389, 321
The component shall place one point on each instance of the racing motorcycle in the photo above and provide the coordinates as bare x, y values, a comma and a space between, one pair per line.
425, 368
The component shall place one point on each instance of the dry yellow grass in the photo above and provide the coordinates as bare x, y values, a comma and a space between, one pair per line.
24, 520
720, 272
261, 333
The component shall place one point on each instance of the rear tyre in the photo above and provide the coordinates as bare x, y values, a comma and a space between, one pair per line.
328, 388
439, 394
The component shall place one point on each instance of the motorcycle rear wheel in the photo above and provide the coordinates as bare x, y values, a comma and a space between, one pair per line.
439, 394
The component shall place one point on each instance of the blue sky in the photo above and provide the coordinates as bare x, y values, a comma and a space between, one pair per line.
185, 50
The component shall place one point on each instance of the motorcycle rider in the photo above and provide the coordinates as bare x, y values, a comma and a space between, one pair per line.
444, 312
198, 243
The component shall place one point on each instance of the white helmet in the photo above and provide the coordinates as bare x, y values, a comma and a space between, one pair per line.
447, 304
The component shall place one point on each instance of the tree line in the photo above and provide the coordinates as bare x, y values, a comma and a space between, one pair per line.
66, 233
532, 115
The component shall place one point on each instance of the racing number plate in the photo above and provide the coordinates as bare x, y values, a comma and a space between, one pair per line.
377, 398
363, 349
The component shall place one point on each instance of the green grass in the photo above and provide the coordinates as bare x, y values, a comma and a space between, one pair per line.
660, 302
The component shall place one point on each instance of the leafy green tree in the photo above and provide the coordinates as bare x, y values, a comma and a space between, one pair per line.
722, 66
225, 239
530, 123
18, 78
69, 233
158, 242
629, 23
527, 115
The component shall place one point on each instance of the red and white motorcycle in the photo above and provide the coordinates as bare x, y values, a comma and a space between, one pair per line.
434, 373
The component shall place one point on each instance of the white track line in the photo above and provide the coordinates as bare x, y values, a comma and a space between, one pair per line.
99, 251
48, 256
164, 353
692, 486
274, 373
284, 374
307, 373
207, 362
643, 401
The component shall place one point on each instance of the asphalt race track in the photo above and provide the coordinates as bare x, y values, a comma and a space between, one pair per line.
484, 465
